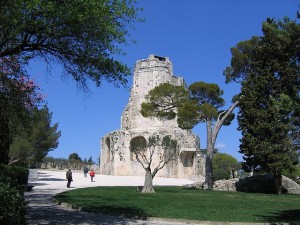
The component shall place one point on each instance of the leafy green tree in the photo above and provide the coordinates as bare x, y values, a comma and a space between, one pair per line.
32, 145
82, 36
18, 97
74, 156
224, 166
208, 101
61, 163
200, 103
74, 161
163, 101
49, 161
268, 69
165, 149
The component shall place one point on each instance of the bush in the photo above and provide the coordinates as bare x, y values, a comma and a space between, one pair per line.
294, 175
220, 174
16, 176
13, 206
257, 184
223, 166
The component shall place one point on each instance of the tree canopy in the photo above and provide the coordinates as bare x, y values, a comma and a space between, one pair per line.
201, 102
268, 69
82, 36
33, 143
74, 156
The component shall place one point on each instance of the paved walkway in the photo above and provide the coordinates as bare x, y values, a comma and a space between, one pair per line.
41, 209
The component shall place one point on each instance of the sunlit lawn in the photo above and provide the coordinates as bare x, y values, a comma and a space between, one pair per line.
184, 203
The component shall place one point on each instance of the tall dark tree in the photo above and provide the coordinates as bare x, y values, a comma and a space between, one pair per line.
90, 161
200, 103
38, 138
268, 68
289, 109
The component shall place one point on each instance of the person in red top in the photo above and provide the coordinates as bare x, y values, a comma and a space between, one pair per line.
92, 174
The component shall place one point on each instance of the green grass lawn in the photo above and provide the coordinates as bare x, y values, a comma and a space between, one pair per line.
184, 203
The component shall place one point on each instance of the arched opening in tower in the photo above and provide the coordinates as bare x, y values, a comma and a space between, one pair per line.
140, 140
107, 150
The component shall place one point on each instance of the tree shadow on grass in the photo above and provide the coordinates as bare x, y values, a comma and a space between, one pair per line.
287, 216
127, 212
41, 210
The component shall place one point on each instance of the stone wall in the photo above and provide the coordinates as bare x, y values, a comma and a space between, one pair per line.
116, 158
254, 184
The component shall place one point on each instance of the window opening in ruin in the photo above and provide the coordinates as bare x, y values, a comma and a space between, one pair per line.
160, 58
133, 155
107, 150
187, 158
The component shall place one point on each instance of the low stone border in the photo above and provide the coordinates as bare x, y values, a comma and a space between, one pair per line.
254, 184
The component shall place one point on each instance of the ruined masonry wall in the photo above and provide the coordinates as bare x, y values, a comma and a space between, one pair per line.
148, 74
116, 158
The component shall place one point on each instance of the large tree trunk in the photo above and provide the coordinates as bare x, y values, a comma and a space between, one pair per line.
148, 184
208, 171
209, 156
211, 140
4, 138
278, 183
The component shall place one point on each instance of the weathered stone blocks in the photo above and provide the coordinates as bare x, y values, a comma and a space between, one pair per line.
116, 158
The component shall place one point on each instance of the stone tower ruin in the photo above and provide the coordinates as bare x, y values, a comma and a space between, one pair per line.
116, 158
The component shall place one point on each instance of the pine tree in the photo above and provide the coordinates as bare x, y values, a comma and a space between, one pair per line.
33, 144
268, 68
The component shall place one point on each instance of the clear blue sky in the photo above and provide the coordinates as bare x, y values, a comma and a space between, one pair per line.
195, 34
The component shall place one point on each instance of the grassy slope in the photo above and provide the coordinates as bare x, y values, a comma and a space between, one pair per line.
182, 203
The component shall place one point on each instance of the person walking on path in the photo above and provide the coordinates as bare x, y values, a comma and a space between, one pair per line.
92, 174
69, 178
85, 171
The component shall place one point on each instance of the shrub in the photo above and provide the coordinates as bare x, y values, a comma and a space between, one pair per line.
294, 175
224, 166
16, 176
13, 206
220, 174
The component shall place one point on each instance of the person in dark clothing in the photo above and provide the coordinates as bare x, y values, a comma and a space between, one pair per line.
85, 171
69, 178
